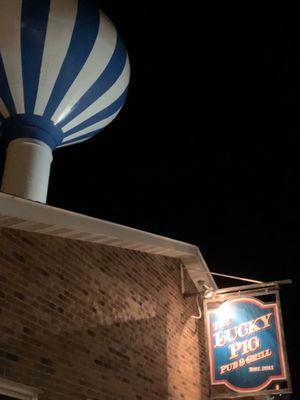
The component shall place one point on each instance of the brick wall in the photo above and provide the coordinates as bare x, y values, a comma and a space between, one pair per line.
85, 321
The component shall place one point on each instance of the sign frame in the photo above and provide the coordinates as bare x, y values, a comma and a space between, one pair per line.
259, 291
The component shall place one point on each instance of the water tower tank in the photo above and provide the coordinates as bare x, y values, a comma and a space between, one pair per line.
64, 74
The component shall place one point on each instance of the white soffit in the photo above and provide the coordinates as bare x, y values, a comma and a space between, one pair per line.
17, 390
18, 213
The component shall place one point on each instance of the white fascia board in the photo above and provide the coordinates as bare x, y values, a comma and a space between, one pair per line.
18, 213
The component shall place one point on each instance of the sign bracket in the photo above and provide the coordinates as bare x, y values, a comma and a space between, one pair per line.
243, 288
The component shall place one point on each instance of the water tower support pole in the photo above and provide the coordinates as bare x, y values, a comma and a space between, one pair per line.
27, 169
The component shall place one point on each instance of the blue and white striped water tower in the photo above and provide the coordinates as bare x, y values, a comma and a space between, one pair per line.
64, 74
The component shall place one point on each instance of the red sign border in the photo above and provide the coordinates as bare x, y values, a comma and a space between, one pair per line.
271, 378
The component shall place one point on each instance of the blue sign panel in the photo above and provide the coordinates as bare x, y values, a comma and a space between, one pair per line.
245, 344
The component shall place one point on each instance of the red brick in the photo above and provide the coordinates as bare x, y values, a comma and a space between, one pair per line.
87, 321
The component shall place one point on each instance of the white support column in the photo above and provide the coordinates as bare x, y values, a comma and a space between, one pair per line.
27, 169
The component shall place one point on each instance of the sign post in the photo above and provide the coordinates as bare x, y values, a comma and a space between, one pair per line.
246, 344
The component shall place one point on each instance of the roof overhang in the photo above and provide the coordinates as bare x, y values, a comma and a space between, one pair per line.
18, 213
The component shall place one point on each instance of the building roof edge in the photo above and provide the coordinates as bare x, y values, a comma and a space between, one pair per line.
18, 213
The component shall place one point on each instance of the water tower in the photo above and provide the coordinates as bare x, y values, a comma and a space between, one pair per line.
64, 74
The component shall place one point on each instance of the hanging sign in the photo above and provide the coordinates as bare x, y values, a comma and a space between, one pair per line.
245, 344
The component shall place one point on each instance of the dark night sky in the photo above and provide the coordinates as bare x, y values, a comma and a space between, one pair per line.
206, 147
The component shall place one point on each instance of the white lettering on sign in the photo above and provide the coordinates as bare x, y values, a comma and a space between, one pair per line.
245, 361
243, 348
262, 368
243, 330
